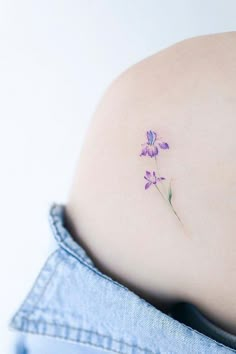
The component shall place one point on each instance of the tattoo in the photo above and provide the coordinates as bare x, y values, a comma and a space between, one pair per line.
152, 149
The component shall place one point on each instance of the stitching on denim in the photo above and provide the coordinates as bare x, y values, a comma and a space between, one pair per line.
53, 222
60, 238
83, 330
71, 248
73, 261
35, 289
94, 269
44, 287
215, 343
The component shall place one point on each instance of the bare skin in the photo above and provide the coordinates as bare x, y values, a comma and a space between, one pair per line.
186, 92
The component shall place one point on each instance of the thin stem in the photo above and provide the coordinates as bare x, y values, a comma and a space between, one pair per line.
175, 213
160, 192
172, 208
169, 202
158, 174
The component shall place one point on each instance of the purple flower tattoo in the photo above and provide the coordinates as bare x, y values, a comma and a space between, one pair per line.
152, 179
154, 141
151, 149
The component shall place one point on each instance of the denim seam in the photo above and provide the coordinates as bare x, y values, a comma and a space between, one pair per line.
46, 285
63, 239
67, 249
66, 246
145, 350
188, 328
72, 260
38, 289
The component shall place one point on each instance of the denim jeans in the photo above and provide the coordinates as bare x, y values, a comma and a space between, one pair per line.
75, 308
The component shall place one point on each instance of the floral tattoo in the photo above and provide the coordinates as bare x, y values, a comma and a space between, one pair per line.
152, 148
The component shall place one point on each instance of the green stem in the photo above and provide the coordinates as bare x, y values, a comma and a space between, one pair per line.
158, 174
175, 213
160, 192
169, 203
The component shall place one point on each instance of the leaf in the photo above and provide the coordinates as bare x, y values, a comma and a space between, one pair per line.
170, 193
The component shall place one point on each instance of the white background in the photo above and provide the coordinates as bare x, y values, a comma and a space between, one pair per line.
56, 59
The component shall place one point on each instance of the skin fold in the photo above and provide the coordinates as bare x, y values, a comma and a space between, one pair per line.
186, 93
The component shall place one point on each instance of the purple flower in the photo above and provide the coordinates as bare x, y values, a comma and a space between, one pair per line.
152, 179
150, 148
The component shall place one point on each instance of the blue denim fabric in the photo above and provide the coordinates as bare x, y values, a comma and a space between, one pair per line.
73, 307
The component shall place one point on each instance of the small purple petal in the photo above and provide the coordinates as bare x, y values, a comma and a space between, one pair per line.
147, 185
151, 137
152, 150
144, 151
160, 178
148, 174
163, 145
